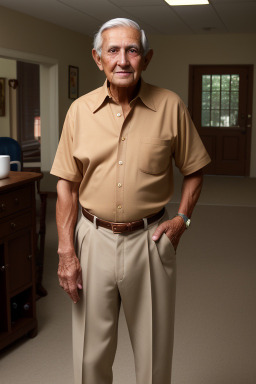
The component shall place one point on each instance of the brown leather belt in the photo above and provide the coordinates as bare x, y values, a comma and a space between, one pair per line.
122, 227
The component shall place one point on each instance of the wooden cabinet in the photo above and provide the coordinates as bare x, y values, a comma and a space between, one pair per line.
17, 256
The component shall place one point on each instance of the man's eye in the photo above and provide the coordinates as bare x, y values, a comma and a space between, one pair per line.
133, 51
112, 50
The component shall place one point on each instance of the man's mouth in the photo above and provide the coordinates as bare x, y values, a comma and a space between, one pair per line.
123, 74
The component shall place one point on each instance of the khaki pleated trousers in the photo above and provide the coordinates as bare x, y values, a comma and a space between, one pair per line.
131, 268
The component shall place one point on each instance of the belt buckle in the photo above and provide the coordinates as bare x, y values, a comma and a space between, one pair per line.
118, 228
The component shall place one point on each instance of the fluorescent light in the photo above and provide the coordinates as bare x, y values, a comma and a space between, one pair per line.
186, 2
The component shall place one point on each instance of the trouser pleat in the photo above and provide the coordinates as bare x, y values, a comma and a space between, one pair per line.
135, 290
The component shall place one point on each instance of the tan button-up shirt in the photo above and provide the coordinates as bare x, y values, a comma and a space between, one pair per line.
124, 166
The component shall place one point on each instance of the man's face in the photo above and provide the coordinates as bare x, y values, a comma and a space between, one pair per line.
122, 58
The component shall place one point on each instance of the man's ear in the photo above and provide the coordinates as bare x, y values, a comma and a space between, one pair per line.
97, 59
147, 59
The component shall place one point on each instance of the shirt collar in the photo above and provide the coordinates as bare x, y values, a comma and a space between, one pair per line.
144, 95
102, 95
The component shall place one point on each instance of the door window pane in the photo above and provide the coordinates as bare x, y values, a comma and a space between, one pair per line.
215, 118
224, 100
206, 82
215, 82
206, 118
234, 82
234, 100
206, 100
225, 82
215, 100
224, 118
233, 118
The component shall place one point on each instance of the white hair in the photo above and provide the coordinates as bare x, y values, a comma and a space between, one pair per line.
120, 22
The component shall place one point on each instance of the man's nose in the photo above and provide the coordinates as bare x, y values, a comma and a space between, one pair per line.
123, 58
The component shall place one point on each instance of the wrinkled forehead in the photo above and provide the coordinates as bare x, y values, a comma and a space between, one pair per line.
121, 36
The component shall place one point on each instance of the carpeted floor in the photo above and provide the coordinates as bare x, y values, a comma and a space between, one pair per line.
215, 338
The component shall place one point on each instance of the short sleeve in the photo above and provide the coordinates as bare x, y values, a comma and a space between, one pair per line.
65, 165
190, 154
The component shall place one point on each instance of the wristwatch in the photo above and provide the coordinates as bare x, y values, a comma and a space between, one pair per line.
187, 221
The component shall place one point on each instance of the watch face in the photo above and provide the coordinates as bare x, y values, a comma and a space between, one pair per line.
188, 222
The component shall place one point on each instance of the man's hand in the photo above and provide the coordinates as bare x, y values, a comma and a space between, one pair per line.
191, 188
172, 228
69, 271
70, 275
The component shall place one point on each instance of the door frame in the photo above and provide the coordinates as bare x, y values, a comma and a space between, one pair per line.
49, 101
191, 86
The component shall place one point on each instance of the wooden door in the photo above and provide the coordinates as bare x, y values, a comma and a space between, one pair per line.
28, 111
220, 103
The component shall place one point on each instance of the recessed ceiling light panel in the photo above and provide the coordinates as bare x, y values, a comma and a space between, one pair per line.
186, 2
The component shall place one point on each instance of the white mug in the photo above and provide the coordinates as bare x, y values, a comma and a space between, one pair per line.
5, 164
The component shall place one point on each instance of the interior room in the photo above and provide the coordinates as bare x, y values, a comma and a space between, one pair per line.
215, 340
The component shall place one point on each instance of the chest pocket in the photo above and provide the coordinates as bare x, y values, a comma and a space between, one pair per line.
155, 155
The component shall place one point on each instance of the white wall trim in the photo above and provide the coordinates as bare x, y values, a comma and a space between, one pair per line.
49, 110
49, 101
26, 56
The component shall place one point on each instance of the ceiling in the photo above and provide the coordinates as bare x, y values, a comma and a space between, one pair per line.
155, 16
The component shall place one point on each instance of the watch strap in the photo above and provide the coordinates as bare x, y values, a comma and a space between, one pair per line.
187, 221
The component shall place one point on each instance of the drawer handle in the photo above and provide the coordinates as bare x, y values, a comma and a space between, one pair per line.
13, 225
2, 207
29, 257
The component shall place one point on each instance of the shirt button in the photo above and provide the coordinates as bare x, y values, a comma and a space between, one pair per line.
123, 138
119, 185
118, 114
120, 162
119, 206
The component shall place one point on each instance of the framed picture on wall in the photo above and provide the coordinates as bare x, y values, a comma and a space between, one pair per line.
73, 82
2, 96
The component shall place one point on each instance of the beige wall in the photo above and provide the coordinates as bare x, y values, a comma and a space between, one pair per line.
27, 34
8, 71
173, 55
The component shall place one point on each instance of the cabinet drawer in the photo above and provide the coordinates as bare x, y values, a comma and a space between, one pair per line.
20, 259
8, 227
14, 201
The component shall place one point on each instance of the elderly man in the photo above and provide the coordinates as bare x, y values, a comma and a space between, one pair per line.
115, 155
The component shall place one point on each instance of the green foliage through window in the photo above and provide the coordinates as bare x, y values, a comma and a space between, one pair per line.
220, 100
